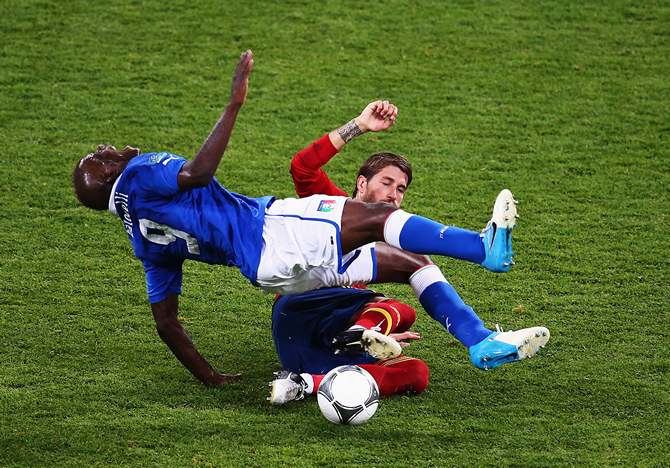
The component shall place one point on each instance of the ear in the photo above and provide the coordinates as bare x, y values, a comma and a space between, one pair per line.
110, 176
361, 183
112, 171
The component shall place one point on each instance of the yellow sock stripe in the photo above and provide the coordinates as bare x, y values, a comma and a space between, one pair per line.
397, 313
384, 313
396, 360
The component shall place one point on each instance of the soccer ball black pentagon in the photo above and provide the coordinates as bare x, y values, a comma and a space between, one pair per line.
348, 395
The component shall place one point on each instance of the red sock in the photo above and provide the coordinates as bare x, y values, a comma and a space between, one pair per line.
393, 376
389, 316
399, 375
317, 382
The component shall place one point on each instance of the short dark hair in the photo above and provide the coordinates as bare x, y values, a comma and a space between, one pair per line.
379, 161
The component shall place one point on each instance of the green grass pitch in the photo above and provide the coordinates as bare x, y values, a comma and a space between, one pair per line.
566, 103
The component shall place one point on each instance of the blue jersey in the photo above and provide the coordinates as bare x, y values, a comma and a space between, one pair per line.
167, 225
304, 325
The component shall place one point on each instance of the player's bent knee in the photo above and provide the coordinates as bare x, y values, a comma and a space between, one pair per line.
363, 223
395, 265
406, 314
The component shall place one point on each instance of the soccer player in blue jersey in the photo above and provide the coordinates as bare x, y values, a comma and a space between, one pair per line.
174, 210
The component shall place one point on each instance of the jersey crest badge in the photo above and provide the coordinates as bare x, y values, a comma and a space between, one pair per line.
157, 158
326, 205
161, 158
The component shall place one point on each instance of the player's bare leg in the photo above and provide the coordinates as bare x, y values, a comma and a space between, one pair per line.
363, 223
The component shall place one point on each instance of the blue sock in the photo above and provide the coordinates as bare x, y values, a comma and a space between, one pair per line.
423, 236
442, 302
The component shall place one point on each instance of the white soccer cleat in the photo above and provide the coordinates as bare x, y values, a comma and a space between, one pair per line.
360, 340
287, 386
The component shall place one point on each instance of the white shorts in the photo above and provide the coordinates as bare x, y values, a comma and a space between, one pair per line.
301, 248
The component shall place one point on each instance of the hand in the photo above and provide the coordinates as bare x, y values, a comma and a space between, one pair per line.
221, 379
199, 171
238, 93
377, 116
405, 336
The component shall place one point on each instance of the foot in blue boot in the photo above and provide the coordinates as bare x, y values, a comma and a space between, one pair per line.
497, 235
502, 347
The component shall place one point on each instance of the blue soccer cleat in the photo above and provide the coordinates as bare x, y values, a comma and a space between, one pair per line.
502, 347
497, 235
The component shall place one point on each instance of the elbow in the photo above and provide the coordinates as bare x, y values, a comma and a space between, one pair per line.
165, 316
169, 332
163, 328
201, 181
295, 167
300, 173
166, 324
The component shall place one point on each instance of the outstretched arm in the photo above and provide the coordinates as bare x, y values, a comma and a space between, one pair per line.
376, 116
178, 340
308, 176
306, 170
199, 171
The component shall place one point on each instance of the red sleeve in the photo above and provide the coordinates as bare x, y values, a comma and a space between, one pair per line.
308, 177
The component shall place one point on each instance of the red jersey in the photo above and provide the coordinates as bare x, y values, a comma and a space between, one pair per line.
308, 177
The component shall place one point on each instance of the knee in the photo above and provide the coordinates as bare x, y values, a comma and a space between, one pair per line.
368, 216
395, 265
406, 315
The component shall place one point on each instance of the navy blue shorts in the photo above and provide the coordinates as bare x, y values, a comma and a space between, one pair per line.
303, 326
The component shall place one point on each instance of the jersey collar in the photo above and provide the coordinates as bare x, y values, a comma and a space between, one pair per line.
112, 205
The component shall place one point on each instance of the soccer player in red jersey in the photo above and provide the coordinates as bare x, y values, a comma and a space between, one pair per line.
318, 330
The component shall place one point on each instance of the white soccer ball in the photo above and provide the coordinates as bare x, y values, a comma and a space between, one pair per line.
348, 395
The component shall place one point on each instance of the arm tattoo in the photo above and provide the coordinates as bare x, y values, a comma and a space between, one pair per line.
349, 131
